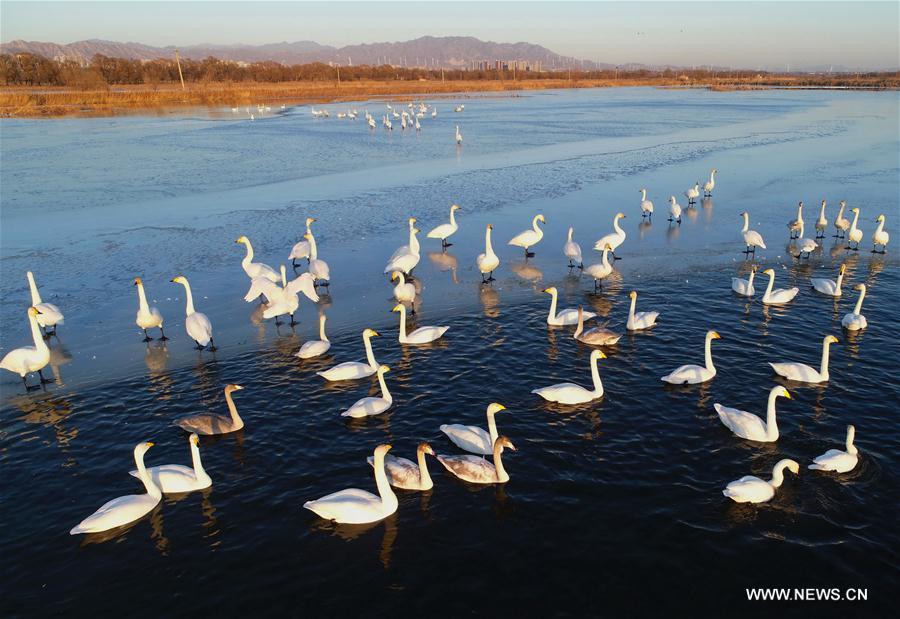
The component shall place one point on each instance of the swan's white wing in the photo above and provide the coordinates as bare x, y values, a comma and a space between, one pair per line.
797, 371
401, 472
172, 478
469, 438
116, 513
687, 374
199, 328
265, 287
524, 239
565, 393
470, 468
825, 286
303, 284
742, 423
347, 370
424, 335
441, 232
351, 506
300, 250
366, 407
49, 316
313, 348
319, 269
835, 460
749, 489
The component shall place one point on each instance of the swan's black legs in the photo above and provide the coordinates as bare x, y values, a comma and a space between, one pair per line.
162, 337
147, 337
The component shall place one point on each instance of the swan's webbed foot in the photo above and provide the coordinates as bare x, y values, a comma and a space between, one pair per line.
529, 254
147, 339
278, 323
30, 387
44, 381
212, 346
162, 336
293, 322
199, 346
581, 266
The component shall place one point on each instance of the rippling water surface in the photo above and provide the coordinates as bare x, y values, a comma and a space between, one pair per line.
613, 508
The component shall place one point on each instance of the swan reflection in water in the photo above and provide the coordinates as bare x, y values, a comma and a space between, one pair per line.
644, 228
707, 204
350, 532
526, 271
445, 261
48, 410
490, 301
59, 355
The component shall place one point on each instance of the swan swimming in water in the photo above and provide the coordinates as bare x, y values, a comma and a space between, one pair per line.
477, 470
529, 238
403, 291
256, 269
354, 506
646, 205
854, 321
752, 238
565, 317
777, 296
597, 336
351, 370
572, 251
750, 489
614, 239
837, 460
695, 374
829, 286
29, 359
176, 478
803, 373
422, 335
368, 406
208, 424
147, 317
300, 249
472, 438
795, 224
125, 509
488, 261
197, 324
405, 474
48, 314
749, 426
744, 287
709, 185
639, 320
315, 348
880, 237
445, 231
570, 393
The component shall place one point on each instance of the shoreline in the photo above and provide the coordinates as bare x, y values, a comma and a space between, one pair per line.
55, 102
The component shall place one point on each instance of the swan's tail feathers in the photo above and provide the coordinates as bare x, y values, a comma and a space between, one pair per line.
763, 245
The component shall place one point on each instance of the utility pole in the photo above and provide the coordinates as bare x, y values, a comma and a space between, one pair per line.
339, 74
442, 74
180, 76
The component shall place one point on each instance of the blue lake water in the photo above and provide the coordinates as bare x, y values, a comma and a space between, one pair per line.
612, 508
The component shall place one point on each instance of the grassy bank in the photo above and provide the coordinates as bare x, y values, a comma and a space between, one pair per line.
22, 101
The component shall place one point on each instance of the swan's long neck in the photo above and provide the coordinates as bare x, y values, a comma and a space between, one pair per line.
402, 323
414, 246
771, 423
800, 212
453, 217
851, 448
631, 309
322, 335
189, 299
385, 394
708, 354
35, 295
199, 471
313, 250
822, 210
862, 295
823, 368
39, 342
388, 498
595, 376
752, 275
605, 259
152, 489
855, 219
502, 475
840, 279
712, 176
840, 214
579, 328
424, 476
534, 225
370, 356
142, 299
552, 314
616, 227
878, 230
569, 237
800, 232
778, 475
488, 248
233, 409
249, 257
771, 284
643, 194
492, 427
746, 223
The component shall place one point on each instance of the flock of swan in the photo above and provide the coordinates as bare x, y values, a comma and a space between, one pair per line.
282, 296
408, 119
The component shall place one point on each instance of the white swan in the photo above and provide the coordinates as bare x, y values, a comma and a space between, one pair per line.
565, 317
821, 222
29, 359
794, 224
147, 317
601, 270
709, 185
837, 460
354, 506
197, 325
749, 426
412, 245
596, 336
829, 286
880, 237
403, 291
751, 489
674, 210
744, 287
570, 393
779, 295
371, 405
693, 193
405, 474
804, 245
282, 299
256, 269
422, 335
300, 249
854, 235
615, 238
646, 205
488, 261
477, 470
803, 373
472, 438
175, 478
695, 374
854, 321
840, 222
317, 268
639, 320
48, 314
406, 262
572, 251
315, 348
458, 135
125, 509
529, 238
752, 238
445, 231
351, 370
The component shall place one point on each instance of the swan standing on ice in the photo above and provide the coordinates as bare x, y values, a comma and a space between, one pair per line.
596, 336
570, 393
565, 317
256, 269
315, 348
403, 291
197, 325
445, 231
405, 474
125, 509
209, 424
354, 506
693, 193
821, 223
709, 185
695, 374
751, 489
779, 295
488, 261
600, 270
646, 205
147, 317
406, 257
176, 478
29, 359
829, 286
472, 438
840, 223
880, 237
300, 249
351, 370
477, 470
749, 426
752, 238
317, 268
48, 314
422, 335
674, 210
837, 460
744, 287
529, 238
805, 246
795, 225
572, 251
368, 406
854, 235
854, 321
803, 373
639, 320
613, 239
282, 299
458, 135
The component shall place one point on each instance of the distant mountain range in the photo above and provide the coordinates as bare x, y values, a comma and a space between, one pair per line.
449, 52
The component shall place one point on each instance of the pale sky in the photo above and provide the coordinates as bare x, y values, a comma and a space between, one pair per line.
768, 35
